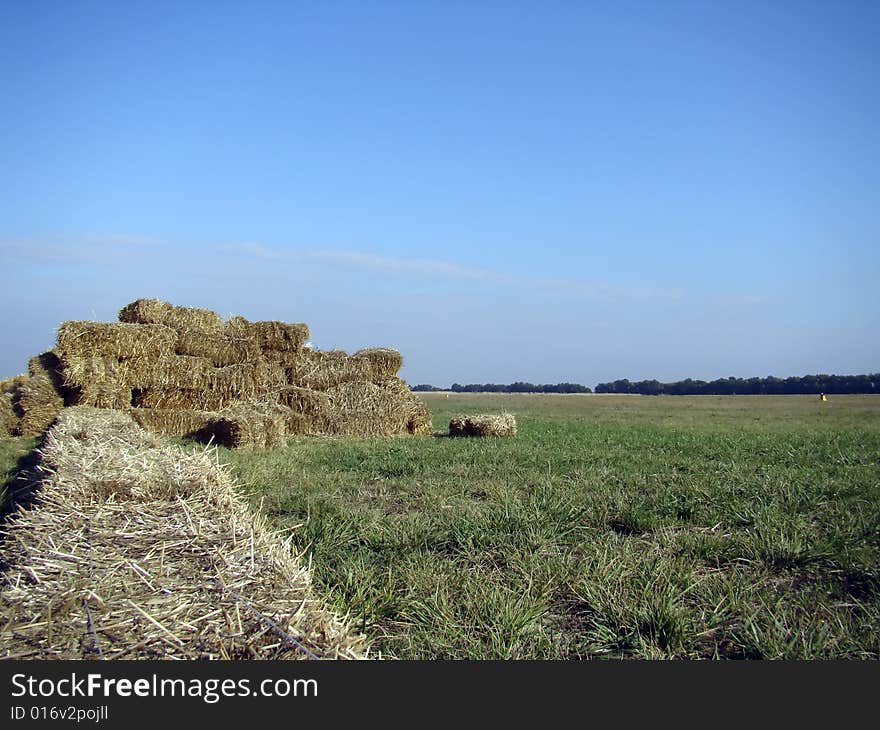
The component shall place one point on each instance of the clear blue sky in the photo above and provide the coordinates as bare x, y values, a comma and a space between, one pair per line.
543, 191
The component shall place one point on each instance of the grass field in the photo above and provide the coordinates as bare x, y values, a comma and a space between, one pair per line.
611, 526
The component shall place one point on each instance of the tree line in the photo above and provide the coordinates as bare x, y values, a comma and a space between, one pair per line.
804, 385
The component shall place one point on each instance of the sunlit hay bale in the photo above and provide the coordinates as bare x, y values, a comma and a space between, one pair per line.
270, 336
186, 398
38, 402
325, 369
49, 364
111, 339
155, 311
368, 409
379, 363
9, 420
306, 410
251, 426
102, 395
418, 417
9, 385
483, 425
137, 550
219, 348
246, 380
176, 421
167, 370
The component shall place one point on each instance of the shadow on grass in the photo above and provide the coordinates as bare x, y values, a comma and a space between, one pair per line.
21, 487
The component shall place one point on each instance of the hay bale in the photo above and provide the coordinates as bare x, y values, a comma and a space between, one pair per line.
483, 425
306, 410
379, 363
101, 395
155, 311
370, 409
270, 336
325, 369
141, 551
10, 423
110, 339
37, 402
185, 398
10, 416
219, 348
251, 425
246, 380
176, 421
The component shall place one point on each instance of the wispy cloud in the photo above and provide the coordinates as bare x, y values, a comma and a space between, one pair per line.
374, 262
114, 249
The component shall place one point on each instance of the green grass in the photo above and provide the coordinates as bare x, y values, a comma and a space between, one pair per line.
611, 526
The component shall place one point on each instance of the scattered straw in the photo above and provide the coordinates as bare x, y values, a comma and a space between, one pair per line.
136, 550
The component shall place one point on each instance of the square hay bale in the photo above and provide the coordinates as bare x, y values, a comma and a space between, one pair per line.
246, 380
101, 395
111, 339
483, 425
251, 426
219, 348
270, 336
155, 311
9, 420
10, 416
379, 363
176, 421
38, 403
307, 410
169, 370
370, 409
185, 398
325, 369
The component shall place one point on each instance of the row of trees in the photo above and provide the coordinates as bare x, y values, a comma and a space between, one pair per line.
808, 384
512, 388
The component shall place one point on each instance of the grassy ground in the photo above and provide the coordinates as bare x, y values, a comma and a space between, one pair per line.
610, 526
619, 526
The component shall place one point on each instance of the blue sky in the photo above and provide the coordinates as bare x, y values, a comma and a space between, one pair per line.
542, 191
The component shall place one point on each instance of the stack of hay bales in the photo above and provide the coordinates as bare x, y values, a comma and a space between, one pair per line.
483, 425
185, 372
138, 550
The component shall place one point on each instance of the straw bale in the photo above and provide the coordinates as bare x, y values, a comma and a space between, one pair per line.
381, 363
368, 409
306, 410
101, 395
111, 339
251, 425
270, 336
169, 370
155, 311
38, 402
136, 550
483, 425
186, 398
176, 421
325, 369
219, 348
9, 420
10, 385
